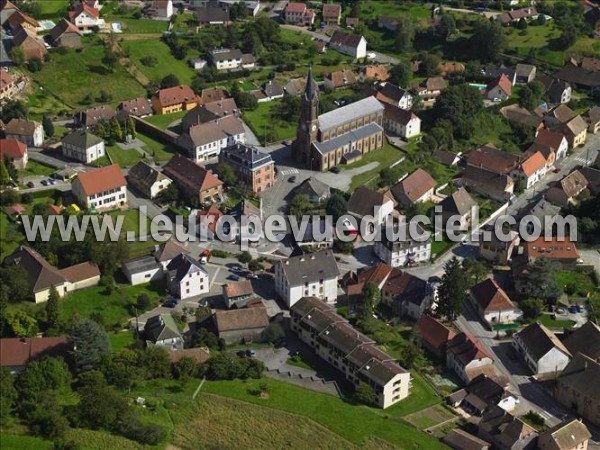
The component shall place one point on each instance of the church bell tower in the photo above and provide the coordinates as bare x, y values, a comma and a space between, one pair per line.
308, 125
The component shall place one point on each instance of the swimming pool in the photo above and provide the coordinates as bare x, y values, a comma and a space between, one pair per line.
481, 87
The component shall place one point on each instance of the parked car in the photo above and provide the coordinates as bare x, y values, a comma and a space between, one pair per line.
31, 184
334, 170
561, 311
573, 309
252, 276
233, 277
171, 303
250, 353
236, 268
556, 170
241, 353
44, 182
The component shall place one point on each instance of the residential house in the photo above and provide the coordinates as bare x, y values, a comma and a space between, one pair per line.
315, 275
418, 187
83, 146
162, 330
576, 131
101, 189
354, 45
367, 202
95, 114
137, 107
19, 20
295, 86
593, 178
514, 16
448, 159
563, 253
42, 275
320, 45
33, 46
253, 168
317, 235
7, 9
545, 212
389, 23
433, 334
377, 72
315, 190
557, 91
213, 14
554, 141
193, 179
496, 71
8, 86
332, 12
531, 170
397, 247
493, 304
272, 90
458, 206
17, 353
499, 89
65, 34
86, 18
206, 140
226, 58
147, 179
585, 339
168, 251
430, 88
577, 387
142, 270
198, 354
352, 21
174, 99
340, 79
568, 435
186, 277
349, 351
241, 325
483, 393
491, 159
466, 356
207, 221
402, 122
525, 73
565, 192
491, 184
15, 151
459, 439
543, 352
208, 112
592, 117
505, 431
29, 132
298, 14
164, 8
515, 114
391, 94
210, 95
237, 294
579, 77
560, 114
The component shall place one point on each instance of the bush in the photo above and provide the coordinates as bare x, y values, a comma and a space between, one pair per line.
149, 61
34, 65
220, 254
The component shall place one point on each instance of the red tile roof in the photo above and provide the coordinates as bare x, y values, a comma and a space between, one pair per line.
414, 186
491, 297
5, 79
84, 7
376, 274
12, 149
175, 95
552, 249
295, 7
332, 10
549, 138
15, 352
433, 331
503, 83
102, 179
534, 163
211, 216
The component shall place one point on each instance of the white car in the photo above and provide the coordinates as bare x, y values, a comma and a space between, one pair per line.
371, 55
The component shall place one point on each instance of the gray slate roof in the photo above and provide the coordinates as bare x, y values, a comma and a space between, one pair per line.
352, 136
340, 116
140, 265
539, 340
161, 327
145, 174
310, 268
246, 156
459, 202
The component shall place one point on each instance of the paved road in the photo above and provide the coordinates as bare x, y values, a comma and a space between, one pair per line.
487, 14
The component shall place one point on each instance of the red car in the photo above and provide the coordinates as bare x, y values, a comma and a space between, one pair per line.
557, 170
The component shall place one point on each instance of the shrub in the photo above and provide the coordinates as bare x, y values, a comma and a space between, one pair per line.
149, 61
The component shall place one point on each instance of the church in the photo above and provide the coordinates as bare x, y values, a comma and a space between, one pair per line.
339, 136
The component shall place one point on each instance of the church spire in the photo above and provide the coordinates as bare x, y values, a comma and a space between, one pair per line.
310, 90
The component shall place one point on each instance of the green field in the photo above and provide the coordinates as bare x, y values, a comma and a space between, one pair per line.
120, 340
36, 168
374, 9
131, 221
385, 156
429, 417
355, 423
167, 63
141, 26
260, 121
52, 8
546, 319
162, 152
10, 236
14, 442
73, 75
582, 281
163, 121
124, 158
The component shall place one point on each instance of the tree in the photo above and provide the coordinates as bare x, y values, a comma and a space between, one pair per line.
446, 27
41, 376
14, 109
109, 255
169, 81
90, 344
53, 309
156, 362
400, 74
274, 332
8, 394
300, 205
336, 205
226, 174
405, 34
34, 65
541, 20
185, 368
539, 281
532, 307
429, 65
490, 40
475, 270
365, 394
530, 96
48, 126
17, 55
131, 128
115, 130
370, 298
458, 104
245, 258
122, 369
149, 61
143, 302
47, 418
22, 324
4, 175
170, 195
451, 292
522, 24
110, 59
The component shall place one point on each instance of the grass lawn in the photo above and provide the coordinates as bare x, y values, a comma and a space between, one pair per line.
162, 152
14, 442
385, 156
141, 26
167, 63
37, 168
582, 281
298, 362
355, 423
124, 158
10, 235
52, 8
537, 37
100, 440
429, 417
438, 248
142, 248
74, 75
119, 341
163, 121
113, 307
41, 102
546, 319
131, 221
373, 9
260, 121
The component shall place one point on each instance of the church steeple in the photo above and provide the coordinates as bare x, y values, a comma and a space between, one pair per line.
308, 125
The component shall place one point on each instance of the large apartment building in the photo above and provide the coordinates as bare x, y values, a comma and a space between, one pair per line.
314, 275
402, 250
352, 353
254, 168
